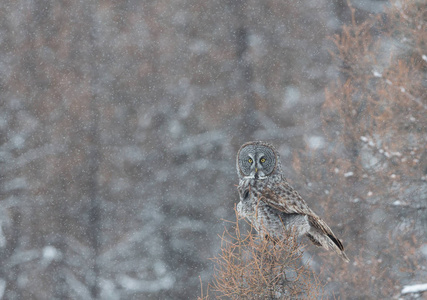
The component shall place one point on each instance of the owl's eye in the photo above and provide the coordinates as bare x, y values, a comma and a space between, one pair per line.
250, 160
262, 160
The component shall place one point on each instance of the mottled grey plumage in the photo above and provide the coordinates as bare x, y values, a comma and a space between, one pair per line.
271, 204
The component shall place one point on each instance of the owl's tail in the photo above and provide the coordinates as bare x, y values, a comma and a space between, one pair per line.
322, 236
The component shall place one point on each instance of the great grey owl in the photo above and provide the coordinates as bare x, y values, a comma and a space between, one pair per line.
271, 204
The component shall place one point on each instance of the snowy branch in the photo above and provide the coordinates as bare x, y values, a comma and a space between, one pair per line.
416, 288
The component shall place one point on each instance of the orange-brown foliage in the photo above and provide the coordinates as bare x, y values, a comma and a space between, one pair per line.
374, 172
253, 267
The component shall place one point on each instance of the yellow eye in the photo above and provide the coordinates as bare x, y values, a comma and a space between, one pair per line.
250, 160
262, 160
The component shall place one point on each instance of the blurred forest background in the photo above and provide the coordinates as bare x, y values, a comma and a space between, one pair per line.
120, 122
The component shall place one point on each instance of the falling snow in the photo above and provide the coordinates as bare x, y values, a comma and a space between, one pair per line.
120, 123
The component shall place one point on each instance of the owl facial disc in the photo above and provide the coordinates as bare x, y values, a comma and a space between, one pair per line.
256, 160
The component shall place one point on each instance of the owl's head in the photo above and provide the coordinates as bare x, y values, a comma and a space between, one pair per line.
257, 160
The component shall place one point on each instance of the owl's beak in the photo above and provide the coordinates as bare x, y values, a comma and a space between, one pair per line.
256, 173
259, 175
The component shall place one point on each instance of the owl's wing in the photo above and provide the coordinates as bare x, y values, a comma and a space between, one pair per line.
284, 198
